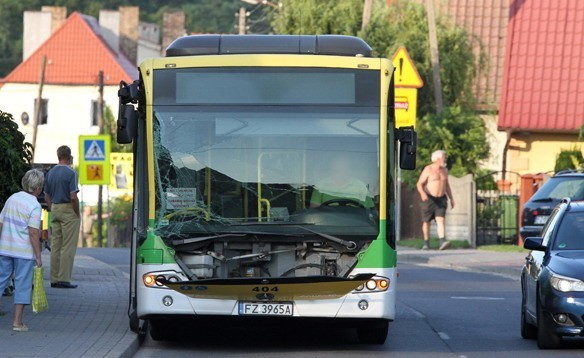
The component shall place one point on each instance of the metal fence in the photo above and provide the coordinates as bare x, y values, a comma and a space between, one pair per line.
497, 208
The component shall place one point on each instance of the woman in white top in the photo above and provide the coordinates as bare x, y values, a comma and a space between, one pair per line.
20, 247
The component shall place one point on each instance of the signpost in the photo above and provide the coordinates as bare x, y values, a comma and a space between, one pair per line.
94, 159
407, 82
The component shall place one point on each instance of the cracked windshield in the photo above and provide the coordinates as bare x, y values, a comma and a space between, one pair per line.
303, 157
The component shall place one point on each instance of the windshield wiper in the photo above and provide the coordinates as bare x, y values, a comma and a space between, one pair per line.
193, 240
271, 223
543, 199
351, 245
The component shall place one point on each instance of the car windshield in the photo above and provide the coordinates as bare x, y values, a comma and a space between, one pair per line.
570, 234
559, 188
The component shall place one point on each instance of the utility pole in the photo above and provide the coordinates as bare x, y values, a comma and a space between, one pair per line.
39, 103
367, 9
242, 16
434, 55
100, 188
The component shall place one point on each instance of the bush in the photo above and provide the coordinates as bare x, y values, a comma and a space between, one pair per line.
569, 159
15, 159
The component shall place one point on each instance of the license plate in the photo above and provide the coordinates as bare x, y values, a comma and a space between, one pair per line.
541, 219
266, 308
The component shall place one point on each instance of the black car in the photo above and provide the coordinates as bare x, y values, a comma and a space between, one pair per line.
552, 280
536, 211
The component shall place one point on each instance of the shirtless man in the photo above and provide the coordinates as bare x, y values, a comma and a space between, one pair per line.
435, 192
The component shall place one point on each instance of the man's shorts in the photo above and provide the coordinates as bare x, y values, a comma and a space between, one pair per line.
434, 207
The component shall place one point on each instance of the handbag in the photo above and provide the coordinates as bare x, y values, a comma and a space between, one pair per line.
39, 296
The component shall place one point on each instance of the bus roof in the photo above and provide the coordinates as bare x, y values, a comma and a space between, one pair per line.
335, 45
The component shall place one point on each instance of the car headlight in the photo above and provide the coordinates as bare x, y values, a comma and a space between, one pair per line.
566, 284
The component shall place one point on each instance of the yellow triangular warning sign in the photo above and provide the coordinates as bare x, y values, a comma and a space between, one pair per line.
406, 74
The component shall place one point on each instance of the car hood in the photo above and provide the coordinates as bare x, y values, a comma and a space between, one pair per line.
568, 263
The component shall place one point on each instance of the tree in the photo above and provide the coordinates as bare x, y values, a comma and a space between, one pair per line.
458, 129
569, 159
316, 17
460, 133
15, 159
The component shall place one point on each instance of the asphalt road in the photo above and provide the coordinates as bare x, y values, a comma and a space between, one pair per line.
117, 257
441, 313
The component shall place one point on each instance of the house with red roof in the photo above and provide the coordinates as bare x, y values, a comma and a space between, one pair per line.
75, 54
542, 99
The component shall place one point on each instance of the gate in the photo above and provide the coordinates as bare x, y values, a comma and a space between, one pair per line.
497, 208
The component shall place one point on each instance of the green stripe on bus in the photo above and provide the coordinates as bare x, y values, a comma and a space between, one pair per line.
155, 251
379, 253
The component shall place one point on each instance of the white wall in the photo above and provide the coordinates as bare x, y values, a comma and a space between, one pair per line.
69, 114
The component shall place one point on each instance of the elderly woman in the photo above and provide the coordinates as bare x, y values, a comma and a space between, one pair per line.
20, 247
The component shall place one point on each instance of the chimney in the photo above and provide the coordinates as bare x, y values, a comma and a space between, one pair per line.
37, 29
173, 27
109, 25
58, 16
129, 19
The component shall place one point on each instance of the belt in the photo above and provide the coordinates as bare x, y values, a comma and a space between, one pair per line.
62, 203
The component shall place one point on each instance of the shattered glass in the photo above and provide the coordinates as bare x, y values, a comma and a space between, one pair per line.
278, 179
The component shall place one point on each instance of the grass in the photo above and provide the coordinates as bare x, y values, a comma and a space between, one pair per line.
502, 248
434, 243
459, 244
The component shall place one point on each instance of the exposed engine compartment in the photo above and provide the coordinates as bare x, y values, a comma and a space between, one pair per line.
235, 259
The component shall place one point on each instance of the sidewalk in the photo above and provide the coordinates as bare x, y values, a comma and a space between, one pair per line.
508, 264
89, 321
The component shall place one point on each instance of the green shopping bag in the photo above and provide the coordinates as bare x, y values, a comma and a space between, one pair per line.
39, 297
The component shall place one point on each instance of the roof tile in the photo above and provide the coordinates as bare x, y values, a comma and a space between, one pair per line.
75, 53
543, 82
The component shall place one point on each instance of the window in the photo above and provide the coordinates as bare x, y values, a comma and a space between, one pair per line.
44, 110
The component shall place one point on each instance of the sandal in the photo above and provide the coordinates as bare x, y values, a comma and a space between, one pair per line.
22, 328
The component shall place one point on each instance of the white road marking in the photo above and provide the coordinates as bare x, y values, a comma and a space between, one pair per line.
477, 298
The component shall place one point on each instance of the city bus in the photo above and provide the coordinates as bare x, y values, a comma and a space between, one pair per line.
265, 183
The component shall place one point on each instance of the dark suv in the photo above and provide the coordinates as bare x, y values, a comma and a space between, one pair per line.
539, 207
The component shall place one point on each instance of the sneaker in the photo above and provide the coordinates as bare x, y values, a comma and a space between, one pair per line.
22, 328
444, 244
425, 246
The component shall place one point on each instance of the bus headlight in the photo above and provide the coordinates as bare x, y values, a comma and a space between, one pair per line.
149, 280
375, 284
153, 279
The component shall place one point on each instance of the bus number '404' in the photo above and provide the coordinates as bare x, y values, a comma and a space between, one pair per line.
265, 289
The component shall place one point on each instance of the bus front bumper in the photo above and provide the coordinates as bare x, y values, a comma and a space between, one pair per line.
162, 302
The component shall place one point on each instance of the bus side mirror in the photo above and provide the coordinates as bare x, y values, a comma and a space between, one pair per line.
408, 139
127, 114
127, 118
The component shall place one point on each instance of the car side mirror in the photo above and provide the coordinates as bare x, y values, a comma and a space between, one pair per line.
534, 243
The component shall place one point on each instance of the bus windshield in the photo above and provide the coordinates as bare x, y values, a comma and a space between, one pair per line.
249, 158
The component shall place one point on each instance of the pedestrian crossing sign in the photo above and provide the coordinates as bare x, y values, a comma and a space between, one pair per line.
94, 159
94, 149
